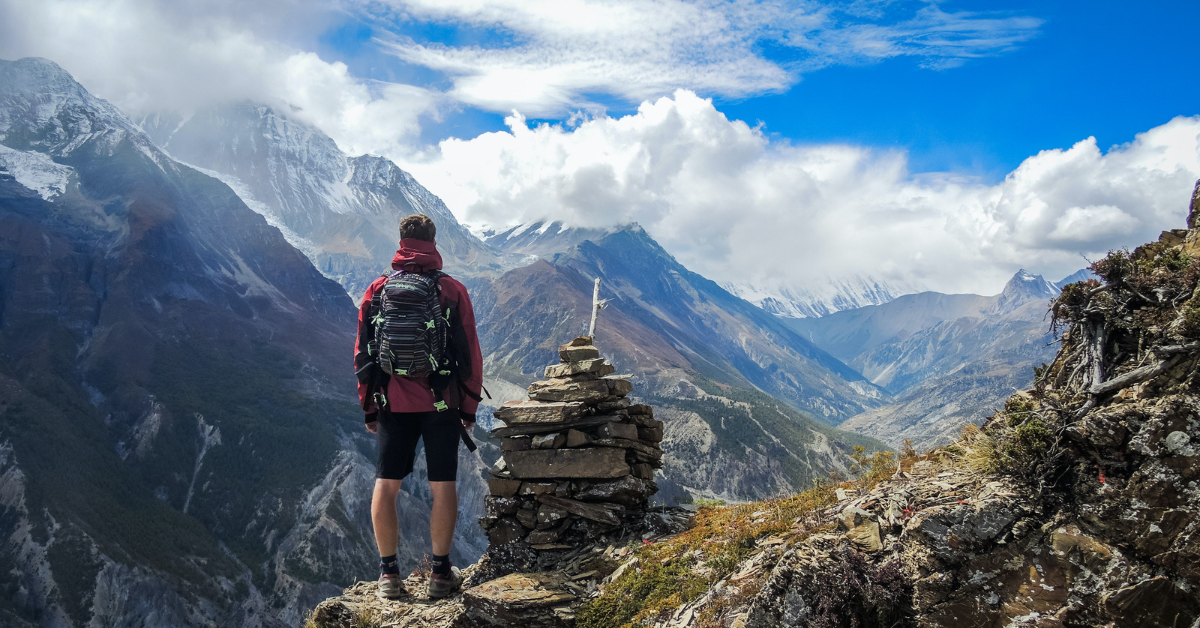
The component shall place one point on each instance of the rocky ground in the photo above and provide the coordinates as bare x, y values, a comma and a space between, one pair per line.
1076, 505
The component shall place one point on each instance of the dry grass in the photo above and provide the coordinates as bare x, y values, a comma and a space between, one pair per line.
367, 618
679, 570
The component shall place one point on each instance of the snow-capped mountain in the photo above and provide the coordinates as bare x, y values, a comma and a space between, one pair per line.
342, 211
819, 297
179, 440
542, 238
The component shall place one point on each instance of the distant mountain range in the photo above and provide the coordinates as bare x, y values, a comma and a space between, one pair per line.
949, 359
820, 297
542, 239
179, 443
179, 440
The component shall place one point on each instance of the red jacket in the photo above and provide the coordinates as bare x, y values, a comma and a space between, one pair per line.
414, 395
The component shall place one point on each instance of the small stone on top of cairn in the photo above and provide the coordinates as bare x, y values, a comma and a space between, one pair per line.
578, 456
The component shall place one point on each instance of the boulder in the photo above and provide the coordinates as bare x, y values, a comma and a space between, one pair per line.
520, 599
865, 537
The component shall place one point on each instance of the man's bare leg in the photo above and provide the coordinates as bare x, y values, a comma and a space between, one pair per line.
443, 517
383, 515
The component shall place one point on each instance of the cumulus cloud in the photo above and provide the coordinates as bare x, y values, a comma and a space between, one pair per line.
553, 53
737, 207
155, 55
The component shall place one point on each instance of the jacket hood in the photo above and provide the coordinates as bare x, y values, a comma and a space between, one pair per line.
417, 255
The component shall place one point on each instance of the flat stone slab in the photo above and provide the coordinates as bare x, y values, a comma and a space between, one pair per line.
595, 366
534, 412
628, 489
568, 353
595, 512
546, 428
586, 391
599, 462
519, 599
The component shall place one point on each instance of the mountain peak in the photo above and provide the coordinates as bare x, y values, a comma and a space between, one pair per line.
46, 109
1024, 287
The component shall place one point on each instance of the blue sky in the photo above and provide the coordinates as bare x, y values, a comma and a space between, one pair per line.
919, 143
1105, 69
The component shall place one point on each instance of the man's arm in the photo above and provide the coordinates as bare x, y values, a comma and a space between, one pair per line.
364, 365
473, 383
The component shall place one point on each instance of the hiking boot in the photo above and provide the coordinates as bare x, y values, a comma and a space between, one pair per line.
391, 586
441, 586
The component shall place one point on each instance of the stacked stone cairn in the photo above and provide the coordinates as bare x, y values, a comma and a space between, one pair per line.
578, 457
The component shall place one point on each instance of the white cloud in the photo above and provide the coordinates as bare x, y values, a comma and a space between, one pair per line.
554, 53
736, 207
152, 55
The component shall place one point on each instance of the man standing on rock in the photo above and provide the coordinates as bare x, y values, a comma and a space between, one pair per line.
420, 372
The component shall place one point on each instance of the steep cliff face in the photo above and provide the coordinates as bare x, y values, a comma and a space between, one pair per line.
181, 443
342, 211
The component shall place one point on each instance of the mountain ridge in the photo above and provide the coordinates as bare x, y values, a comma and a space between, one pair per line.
342, 210
176, 417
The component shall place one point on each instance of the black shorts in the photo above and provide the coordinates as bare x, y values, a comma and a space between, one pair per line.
398, 436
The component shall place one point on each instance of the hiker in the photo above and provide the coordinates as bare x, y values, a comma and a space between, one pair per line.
420, 372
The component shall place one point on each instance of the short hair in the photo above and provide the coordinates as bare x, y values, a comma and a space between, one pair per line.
417, 227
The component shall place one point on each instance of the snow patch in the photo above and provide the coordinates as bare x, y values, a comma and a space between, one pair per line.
820, 296
36, 171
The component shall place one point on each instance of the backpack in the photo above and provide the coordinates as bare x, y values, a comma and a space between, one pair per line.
411, 328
